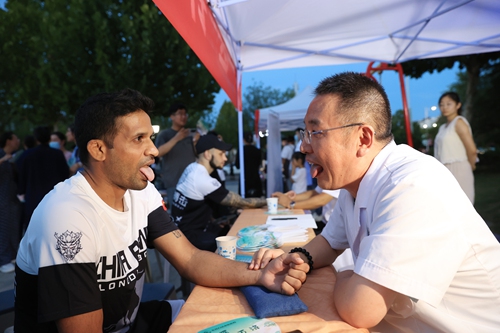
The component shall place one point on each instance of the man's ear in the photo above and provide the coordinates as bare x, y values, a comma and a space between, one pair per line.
207, 154
97, 149
366, 139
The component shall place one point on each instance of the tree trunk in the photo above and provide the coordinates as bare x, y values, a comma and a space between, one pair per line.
473, 70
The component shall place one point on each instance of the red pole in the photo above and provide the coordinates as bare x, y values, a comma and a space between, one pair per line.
397, 67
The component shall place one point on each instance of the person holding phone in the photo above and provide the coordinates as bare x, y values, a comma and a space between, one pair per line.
176, 148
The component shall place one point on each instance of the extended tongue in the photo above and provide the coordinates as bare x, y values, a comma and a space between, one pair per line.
315, 170
148, 172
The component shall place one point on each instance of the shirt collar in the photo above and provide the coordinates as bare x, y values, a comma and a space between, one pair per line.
364, 190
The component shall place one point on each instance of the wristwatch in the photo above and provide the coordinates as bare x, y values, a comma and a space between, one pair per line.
292, 204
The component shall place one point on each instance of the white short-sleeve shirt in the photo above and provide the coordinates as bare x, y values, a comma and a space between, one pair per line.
328, 208
299, 180
413, 230
287, 151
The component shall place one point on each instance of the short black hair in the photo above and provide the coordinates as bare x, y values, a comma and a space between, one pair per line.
248, 136
4, 137
96, 117
175, 107
60, 135
29, 141
42, 134
299, 156
362, 99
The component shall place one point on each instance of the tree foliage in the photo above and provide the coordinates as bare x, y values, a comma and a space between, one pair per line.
473, 64
486, 122
57, 53
227, 123
257, 96
399, 131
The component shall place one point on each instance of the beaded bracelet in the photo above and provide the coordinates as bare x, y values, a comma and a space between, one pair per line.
310, 261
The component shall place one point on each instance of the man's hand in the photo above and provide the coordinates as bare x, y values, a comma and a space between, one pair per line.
181, 134
283, 199
196, 137
6, 157
285, 274
262, 257
276, 194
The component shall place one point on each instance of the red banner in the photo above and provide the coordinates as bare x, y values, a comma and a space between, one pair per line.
195, 22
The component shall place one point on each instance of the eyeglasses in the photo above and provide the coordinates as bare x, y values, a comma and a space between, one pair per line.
180, 114
306, 135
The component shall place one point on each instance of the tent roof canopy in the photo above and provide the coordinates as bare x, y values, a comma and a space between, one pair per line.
291, 113
234, 36
265, 34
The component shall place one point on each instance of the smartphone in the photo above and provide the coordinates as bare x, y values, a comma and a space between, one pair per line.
193, 131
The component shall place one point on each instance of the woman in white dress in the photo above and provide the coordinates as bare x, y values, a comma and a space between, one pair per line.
454, 145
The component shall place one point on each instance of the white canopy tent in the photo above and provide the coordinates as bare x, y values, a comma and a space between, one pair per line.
291, 113
275, 119
234, 36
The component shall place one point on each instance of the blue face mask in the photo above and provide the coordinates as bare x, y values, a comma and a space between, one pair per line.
54, 144
296, 137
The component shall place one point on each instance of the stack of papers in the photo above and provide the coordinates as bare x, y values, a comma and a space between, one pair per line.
289, 234
302, 221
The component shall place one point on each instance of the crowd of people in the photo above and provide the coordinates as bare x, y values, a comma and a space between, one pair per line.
27, 175
412, 253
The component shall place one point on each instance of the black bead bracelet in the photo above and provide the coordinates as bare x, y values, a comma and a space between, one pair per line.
310, 261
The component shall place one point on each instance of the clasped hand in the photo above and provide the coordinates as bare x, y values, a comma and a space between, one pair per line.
282, 273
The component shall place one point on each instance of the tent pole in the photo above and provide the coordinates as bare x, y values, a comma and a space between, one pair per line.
405, 105
398, 68
240, 150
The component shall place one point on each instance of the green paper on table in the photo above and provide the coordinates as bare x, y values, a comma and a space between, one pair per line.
244, 324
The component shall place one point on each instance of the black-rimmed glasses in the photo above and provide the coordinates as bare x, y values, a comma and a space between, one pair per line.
306, 135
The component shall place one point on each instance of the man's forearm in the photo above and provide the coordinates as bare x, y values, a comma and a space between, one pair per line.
321, 252
234, 200
166, 147
211, 270
305, 195
314, 202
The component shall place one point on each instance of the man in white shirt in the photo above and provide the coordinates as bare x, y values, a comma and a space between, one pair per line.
286, 158
424, 260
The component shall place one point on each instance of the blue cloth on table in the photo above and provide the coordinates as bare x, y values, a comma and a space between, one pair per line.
266, 303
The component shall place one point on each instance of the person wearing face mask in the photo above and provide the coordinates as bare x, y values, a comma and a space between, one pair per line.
454, 145
58, 141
